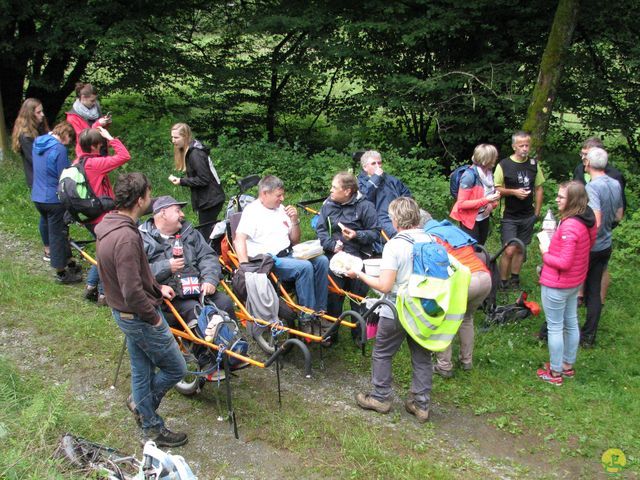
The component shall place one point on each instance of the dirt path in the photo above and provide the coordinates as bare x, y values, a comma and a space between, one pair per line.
456, 432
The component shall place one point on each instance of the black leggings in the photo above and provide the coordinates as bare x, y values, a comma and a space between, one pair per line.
207, 218
480, 230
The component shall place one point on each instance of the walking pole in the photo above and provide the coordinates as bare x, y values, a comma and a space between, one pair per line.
124, 347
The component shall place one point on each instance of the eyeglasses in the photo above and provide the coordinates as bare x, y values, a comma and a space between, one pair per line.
375, 163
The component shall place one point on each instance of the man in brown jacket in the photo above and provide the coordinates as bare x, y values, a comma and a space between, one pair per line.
135, 297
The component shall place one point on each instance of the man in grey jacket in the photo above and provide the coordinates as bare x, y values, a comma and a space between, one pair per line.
199, 259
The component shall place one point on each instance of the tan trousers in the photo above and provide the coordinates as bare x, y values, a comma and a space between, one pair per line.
479, 289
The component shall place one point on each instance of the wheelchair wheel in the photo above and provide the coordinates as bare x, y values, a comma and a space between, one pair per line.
264, 337
190, 383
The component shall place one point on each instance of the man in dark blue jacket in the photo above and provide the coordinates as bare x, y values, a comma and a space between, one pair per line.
380, 188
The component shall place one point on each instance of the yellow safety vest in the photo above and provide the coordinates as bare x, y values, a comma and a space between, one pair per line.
435, 333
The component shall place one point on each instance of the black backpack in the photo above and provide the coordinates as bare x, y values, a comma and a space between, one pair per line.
77, 196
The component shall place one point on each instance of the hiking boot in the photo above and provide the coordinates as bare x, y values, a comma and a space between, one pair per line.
367, 402
421, 414
514, 283
91, 293
132, 408
102, 300
163, 437
443, 373
545, 375
467, 366
67, 277
73, 267
504, 285
305, 323
566, 372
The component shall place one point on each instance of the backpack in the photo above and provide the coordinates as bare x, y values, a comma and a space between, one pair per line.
456, 176
432, 305
223, 330
76, 195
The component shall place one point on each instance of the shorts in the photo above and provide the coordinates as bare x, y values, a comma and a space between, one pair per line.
520, 228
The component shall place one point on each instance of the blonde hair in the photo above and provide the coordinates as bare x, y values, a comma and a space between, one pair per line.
180, 154
484, 154
576, 199
26, 123
406, 212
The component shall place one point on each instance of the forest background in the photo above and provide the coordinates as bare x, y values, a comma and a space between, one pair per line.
295, 87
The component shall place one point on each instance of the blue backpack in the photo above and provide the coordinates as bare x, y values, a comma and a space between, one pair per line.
430, 259
456, 176
226, 335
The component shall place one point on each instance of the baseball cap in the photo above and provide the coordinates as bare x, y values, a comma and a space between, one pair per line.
164, 202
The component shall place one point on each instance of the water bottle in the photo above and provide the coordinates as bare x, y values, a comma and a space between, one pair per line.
549, 224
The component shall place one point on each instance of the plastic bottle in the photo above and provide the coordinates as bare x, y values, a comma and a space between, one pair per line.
178, 250
549, 224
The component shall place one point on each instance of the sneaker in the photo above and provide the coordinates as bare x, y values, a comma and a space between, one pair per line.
443, 373
566, 372
67, 277
132, 408
102, 300
164, 437
46, 257
367, 402
421, 414
305, 323
91, 293
545, 375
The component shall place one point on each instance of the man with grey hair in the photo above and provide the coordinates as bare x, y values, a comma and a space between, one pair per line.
380, 188
605, 199
267, 227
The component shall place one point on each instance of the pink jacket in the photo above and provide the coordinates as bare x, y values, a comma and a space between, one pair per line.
470, 200
79, 124
97, 169
566, 263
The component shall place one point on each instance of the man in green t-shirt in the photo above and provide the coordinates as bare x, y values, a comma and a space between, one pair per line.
519, 180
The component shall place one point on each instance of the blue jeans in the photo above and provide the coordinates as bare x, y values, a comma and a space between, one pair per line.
310, 276
561, 309
60, 252
43, 227
93, 278
150, 348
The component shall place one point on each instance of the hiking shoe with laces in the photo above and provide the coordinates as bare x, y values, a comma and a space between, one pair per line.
545, 375
67, 277
443, 373
163, 437
102, 300
467, 367
91, 293
131, 405
305, 323
367, 402
421, 414
566, 372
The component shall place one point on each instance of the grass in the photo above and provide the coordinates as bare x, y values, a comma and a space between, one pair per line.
597, 410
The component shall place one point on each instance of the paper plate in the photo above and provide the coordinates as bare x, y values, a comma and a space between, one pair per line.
341, 262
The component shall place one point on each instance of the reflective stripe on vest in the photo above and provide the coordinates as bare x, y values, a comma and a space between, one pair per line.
436, 333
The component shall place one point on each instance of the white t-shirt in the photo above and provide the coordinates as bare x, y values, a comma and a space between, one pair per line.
267, 229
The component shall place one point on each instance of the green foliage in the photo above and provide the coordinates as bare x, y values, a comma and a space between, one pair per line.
32, 415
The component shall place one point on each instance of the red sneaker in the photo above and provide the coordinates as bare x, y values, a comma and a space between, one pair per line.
566, 372
545, 375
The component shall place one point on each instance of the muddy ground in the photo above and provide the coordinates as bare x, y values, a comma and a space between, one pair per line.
214, 453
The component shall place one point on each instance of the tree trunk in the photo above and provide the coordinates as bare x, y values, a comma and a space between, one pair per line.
544, 93
4, 135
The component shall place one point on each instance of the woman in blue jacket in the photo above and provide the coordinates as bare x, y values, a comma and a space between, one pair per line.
49, 159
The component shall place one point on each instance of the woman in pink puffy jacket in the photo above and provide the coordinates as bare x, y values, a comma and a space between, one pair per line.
564, 267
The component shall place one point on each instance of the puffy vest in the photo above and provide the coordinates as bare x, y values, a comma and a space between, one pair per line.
435, 333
